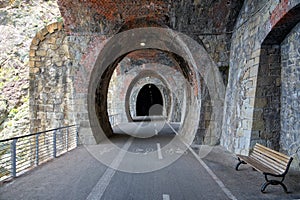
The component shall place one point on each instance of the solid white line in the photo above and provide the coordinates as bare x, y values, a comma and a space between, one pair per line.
159, 151
210, 172
99, 189
213, 175
166, 197
172, 128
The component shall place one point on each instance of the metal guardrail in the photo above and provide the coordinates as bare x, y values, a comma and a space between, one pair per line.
20, 154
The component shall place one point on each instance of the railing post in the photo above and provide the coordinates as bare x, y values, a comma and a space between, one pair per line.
67, 138
13, 149
54, 144
77, 135
37, 150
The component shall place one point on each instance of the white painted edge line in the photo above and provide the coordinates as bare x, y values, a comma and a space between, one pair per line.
99, 189
166, 197
210, 172
172, 128
159, 151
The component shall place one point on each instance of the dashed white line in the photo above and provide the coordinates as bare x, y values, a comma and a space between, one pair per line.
166, 197
159, 151
99, 189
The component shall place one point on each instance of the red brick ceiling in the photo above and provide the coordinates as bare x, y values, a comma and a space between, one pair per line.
79, 13
109, 16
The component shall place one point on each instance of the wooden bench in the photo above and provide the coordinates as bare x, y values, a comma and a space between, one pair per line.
269, 162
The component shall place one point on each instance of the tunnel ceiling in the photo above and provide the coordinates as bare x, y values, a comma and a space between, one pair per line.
198, 17
140, 57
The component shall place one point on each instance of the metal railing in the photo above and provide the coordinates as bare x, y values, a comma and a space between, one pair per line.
20, 154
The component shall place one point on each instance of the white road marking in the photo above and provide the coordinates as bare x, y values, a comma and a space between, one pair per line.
214, 176
166, 197
210, 172
159, 151
99, 189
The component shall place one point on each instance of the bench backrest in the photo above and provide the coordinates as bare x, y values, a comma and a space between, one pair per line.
275, 160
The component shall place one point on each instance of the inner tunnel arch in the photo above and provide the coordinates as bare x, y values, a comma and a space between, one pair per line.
166, 40
149, 76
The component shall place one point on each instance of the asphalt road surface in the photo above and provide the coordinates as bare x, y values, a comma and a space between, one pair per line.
156, 165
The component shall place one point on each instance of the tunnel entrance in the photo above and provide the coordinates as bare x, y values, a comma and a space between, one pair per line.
149, 101
193, 62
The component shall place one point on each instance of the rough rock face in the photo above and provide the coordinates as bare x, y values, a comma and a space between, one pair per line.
19, 22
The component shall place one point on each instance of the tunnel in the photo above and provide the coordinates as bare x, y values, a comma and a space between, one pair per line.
192, 65
148, 101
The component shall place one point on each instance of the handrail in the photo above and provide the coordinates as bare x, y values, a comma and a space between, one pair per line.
21, 154
38, 133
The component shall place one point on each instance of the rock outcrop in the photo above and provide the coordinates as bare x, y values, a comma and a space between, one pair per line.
19, 22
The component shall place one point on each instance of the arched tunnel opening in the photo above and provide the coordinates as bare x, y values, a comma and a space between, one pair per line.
116, 50
141, 87
149, 101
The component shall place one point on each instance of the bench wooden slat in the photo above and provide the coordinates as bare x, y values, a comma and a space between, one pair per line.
269, 162
275, 154
272, 155
265, 159
257, 165
270, 159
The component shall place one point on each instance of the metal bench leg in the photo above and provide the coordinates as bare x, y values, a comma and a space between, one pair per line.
283, 186
273, 182
240, 162
264, 186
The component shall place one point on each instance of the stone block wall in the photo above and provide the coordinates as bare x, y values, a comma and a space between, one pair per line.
59, 77
256, 103
266, 116
290, 98
51, 83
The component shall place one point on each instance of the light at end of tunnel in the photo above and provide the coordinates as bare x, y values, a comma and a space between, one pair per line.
143, 44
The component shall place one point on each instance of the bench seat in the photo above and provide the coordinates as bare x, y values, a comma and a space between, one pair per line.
269, 162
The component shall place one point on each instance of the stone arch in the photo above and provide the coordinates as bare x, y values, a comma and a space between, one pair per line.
266, 128
140, 76
197, 58
49, 88
242, 122
133, 100
167, 74
276, 113
42, 35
